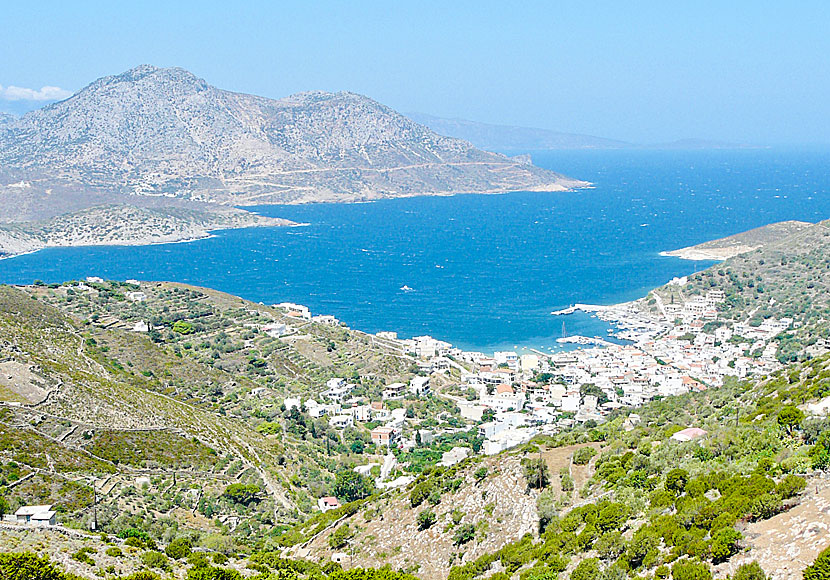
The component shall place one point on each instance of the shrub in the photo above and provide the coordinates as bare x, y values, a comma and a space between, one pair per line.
587, 569
820, 569
178, 548
340, 537
425, 519
751, 571
583, 455
765, 506
791, 486
114, 551
155, 559
724, 544
27, 566
676, 480
610, 545
691, 570
463, 534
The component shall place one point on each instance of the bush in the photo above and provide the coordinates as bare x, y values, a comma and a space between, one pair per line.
27, 566
155, 559
463, 534
751, 571
691, 570
583, 455
114, 552
791, 486
766, 506
587, 569
178, 548
340, 537
724, 544
425, 519
610, 545
420, 493
676, 480
820, 569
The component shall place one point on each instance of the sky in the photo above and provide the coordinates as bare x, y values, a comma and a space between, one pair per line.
743, 71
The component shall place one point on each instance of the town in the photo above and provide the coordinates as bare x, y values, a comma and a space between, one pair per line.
513, 397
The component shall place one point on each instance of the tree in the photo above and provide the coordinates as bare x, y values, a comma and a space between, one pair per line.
790, 418
340, 537
4, 506
425, 519
676, 480
463, 534
537, 473
351, 486
480, 474
242, 493
357, 446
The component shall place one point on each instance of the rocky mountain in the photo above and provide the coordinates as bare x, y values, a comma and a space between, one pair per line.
509, 138
165, 132
5, 119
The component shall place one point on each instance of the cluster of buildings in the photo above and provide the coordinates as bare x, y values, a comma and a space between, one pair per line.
685, 349
343, 410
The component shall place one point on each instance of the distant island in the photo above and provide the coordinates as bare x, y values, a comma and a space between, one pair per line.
728, 247
492, 137
153, 138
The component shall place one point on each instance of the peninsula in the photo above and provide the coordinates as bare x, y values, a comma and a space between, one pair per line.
730, 246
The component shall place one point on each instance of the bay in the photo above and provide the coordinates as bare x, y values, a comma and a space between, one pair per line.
483, 271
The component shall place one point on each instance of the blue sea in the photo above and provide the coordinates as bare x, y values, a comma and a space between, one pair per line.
483, 271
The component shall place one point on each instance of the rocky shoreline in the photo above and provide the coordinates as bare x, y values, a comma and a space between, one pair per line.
124, 225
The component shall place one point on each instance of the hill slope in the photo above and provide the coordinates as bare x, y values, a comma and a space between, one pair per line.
153, 131
730, 246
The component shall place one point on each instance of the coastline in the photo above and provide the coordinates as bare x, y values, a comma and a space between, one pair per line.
697, 254
196, 236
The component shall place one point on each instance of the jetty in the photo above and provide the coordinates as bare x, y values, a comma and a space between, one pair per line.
580, 307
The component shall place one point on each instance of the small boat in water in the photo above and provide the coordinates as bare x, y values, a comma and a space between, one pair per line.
406, 288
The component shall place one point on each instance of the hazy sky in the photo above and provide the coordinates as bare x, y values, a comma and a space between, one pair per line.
749, 71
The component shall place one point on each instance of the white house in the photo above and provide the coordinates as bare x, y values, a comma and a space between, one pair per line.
394, 391
136, 296
419, 385
296, 310
36, 515
341, 421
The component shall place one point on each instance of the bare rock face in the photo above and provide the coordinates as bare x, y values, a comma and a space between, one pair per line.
165, 132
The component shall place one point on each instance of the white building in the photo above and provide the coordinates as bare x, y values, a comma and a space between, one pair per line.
419, 385
296, 310
36, 515
394, 391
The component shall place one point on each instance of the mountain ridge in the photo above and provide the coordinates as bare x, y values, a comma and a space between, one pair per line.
166, 132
